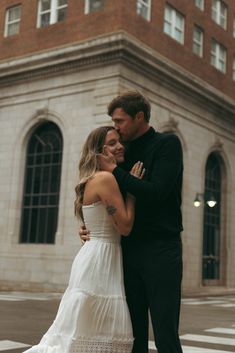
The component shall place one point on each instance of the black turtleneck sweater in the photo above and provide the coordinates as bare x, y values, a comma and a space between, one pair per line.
158, 194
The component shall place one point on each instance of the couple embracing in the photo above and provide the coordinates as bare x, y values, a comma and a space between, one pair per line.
116, 280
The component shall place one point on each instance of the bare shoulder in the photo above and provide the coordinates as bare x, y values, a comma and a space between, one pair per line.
103, 177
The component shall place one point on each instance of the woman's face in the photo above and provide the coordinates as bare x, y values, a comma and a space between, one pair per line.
113, 145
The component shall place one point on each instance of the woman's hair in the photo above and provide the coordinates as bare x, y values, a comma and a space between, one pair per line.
89, 163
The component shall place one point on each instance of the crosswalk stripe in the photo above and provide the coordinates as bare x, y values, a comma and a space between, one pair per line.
208, 339
228, 305
6, 345
190, 349
200, 302
229, 331
28, 297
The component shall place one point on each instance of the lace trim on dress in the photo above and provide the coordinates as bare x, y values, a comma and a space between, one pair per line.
89, 346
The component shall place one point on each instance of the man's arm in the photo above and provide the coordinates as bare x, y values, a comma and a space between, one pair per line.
168, 164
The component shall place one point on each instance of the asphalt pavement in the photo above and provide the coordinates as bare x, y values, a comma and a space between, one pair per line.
207, 323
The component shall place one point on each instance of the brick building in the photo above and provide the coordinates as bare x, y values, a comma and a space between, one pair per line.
61, 62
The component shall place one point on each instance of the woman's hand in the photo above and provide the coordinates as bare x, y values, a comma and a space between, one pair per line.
138, 170
107, 161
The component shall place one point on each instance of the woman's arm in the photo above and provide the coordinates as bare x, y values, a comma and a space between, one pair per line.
121, 212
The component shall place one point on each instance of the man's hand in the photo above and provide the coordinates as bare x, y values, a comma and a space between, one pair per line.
106, 160
138, 170
84, 234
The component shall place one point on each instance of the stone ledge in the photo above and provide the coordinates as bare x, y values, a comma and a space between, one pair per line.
118, 47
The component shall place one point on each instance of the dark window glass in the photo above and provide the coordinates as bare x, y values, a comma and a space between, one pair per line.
211, 235
42, 185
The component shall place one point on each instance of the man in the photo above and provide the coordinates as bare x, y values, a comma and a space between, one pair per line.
152, 253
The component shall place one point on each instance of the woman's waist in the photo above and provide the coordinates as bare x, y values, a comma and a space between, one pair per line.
105, 238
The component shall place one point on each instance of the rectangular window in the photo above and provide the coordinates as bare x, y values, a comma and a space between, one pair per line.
198, 41
219, 13
143, 8
12, 21
199, 4
234, 68
93, 5
51, 11
218, 56
174, 24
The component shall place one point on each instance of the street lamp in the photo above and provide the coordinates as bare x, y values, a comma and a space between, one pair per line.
211, 201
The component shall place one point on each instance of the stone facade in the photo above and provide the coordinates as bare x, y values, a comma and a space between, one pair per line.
72, 90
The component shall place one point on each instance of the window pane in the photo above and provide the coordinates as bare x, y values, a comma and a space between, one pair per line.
42, 185
45, 5
45, 19
167, 28
61, 14
14, 13
95, 5
13, 28
174, 24
143, 8
62, 2
199, 4
211, 233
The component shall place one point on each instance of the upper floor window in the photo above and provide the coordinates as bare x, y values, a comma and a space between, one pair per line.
174, 24
218, 56
198, 41
199, 4
143, 8
219, 13
12, 21
93, 5
51, 11
234, 27
234, 68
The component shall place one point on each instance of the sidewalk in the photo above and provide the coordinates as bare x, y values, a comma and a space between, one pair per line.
207, 291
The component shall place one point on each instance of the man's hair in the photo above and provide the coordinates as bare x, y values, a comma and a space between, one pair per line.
132, 103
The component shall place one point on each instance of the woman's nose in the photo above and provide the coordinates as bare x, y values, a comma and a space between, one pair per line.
120, 146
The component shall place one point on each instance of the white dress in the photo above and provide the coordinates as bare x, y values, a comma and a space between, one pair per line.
93, 316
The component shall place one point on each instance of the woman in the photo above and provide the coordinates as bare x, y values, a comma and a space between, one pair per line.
93, 316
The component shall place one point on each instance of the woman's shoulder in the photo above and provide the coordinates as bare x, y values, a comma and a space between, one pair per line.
103, 176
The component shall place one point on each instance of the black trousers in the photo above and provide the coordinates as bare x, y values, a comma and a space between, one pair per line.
152, 276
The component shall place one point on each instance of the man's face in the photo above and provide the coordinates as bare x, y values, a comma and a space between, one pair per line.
126, 126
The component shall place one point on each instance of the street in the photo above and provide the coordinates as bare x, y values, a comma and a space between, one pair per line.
207, 323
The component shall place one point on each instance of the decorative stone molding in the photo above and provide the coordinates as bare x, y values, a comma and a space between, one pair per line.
171, 125
123, 48
218, 145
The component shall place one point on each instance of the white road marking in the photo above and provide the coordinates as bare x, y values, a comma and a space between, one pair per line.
6, 345
18, 296
190, 349
229, 331
198, 302
228, 305
209, 339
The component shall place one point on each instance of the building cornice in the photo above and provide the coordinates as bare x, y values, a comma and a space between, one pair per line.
113, 48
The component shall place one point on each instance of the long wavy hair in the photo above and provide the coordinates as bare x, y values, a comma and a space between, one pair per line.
89, 164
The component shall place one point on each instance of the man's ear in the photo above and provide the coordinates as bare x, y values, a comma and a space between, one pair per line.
140, 115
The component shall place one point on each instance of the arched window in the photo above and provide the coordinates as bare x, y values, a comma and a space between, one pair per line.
212, 220
42, 185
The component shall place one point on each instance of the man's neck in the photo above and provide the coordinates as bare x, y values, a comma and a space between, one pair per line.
141, 131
